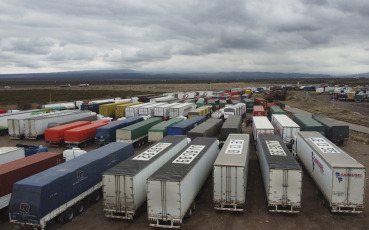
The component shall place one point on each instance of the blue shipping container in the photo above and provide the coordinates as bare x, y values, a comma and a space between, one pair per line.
35, 197
107, 133
93, 107
183, 127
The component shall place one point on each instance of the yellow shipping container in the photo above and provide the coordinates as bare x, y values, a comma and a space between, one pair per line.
201, 111
248, 91
120, 110
108, 110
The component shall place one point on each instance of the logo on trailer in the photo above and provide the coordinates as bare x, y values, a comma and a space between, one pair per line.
24, 207
79, 174
339, 178
317, 162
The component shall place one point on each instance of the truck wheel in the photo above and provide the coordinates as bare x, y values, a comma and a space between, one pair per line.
96, 196
68, 215
80, 207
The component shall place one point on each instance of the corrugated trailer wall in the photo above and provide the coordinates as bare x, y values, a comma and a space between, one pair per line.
209, 128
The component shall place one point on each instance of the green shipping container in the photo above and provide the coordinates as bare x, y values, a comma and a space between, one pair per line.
159, 131
200, 102
249, 104
222, 103
233, 102
213, 104
334, 131
137, 130
307, 123
276, 110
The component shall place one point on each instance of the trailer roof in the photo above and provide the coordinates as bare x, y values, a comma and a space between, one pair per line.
235, 151
329, 152
180, 105
176, 170
8, 149
262, 122
276, 153
134, 164
186, 123
285, 121
232, 122
166, 124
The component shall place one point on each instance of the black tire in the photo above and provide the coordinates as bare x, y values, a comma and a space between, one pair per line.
68, 215
79, 208
60, 218
96, 196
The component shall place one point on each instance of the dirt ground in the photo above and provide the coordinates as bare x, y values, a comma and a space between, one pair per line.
256, 216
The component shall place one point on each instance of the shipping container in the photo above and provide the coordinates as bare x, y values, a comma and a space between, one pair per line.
159, 131
222, 103
260, 101
276, 110
137, 134
285, 128
183, 127
336, 132
282, 175
148, 110
108, 110
55, 136
258, 110
63, 191
107, 133
14, 171
204, 111
92, 117
338, 176
249, 105
34, 127
230, 173
165, 99
84, 135
8, 154
307, 123
181, 110
124, 185
233, 125
95, 106
261, 125
238, 109
200, 102
70, 154
15, 115
209, 128
212, 103
120, 110
172, 189
163, 110
66, 105
132, 111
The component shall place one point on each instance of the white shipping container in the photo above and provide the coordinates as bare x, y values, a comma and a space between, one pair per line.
34, 127
282, 175
230, 173
261, 125
163, 110
285, 127
148, 110
132, 111
189, 95
124, 185
218, 114
235, 110
163, 99
171, 190
16, 128
181, 110
338, 176
15, 115
70, 154
8, 154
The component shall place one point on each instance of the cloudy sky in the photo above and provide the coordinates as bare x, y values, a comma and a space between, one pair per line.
304, 36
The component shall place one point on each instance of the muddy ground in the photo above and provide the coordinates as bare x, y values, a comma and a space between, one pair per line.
313, 214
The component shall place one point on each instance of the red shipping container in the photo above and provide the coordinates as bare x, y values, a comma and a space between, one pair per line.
259, 110
271, 104
56, 134
260, 101
85, 132
19, 169
3, 111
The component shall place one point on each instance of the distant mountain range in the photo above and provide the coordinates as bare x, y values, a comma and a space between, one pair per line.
127, 74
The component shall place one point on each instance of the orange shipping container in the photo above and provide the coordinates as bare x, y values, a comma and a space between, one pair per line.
55, 135
83, 133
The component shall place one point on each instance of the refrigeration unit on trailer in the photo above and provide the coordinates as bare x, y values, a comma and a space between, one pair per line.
107, 133
62, 191
230, 173
232, 125
282, 175
8, 154
159, 131
286, 128
172, 189
181, 110
261, 125
124, 185
163, 110
132, 111
137, 134
338, 176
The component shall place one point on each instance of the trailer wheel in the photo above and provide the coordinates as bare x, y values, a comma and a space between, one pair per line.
79, 208
68, 215
60, 218
188, 213
96, 196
